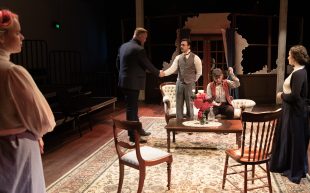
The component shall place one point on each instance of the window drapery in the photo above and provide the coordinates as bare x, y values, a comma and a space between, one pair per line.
229, 48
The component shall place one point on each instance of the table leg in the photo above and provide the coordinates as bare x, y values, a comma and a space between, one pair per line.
238, 139
173, 137
309, 159
168, 141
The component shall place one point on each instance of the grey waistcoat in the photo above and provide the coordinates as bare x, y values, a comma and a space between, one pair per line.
187, 69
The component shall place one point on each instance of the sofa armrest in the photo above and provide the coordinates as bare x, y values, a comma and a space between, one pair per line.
167, 103
247, 104
166, 99
167, 106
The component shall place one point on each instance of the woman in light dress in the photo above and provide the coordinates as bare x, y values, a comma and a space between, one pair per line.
25, 116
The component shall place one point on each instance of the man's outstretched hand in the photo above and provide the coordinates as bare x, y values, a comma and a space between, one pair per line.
161, 73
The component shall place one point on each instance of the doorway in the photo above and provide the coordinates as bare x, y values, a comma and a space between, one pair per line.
210, 49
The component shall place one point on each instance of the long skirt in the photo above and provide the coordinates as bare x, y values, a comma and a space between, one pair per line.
289, 155
21, 168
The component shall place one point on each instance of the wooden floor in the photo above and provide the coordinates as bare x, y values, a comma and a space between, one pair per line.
60, 160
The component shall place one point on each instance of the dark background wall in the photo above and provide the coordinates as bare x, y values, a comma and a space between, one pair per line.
90, 27
93, 27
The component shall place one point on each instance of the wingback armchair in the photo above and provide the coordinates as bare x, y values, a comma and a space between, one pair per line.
169, 99
168, 92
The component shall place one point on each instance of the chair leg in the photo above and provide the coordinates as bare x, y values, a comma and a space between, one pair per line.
141, 179
169, 174
225, 171
173, 136
76, 122
121, 177
245, 178
90, 122
268, 177
253, 173
79, 126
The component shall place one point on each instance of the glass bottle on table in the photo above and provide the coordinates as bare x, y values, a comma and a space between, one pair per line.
211, 115
203, 120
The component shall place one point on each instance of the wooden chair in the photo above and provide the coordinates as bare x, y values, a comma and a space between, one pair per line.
137, 157
256, 146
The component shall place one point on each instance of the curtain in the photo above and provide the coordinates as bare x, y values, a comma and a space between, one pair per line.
229, 48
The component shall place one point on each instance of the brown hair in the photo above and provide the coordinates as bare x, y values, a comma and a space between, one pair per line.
186, 40
300, 54
217, 72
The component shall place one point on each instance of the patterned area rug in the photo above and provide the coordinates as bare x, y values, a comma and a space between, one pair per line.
198, 162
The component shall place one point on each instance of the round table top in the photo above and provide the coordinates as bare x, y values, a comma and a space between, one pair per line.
196, 123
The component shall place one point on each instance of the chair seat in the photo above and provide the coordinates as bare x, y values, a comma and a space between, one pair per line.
248, 155
147, 153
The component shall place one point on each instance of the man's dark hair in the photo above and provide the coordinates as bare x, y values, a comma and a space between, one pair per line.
186, 40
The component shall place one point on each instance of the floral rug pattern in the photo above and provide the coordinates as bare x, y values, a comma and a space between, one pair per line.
198, 162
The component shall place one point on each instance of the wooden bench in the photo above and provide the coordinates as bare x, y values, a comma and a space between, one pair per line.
94, 103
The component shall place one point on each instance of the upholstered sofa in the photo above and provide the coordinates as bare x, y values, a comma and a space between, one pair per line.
169, 100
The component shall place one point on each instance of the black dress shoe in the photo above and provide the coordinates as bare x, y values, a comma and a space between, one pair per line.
141, 140
142, 132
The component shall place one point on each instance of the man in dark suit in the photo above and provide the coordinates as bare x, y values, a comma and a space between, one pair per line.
132, 62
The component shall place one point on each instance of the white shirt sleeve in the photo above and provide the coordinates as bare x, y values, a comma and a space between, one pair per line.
31, 106
208, 91
234, 83
173, 68
198, 66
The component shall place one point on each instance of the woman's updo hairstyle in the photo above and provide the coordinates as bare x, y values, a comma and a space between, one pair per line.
6, 19
300, 54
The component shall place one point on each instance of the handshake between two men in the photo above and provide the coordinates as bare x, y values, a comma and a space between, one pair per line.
161, 73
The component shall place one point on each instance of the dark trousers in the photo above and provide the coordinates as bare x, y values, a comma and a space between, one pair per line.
183, 94
224, 109
131, 98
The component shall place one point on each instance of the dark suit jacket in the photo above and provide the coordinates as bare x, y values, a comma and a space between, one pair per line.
132, 63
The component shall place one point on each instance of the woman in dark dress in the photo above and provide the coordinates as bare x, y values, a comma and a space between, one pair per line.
289, 156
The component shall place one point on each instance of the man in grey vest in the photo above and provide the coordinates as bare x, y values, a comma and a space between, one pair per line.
189, 69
